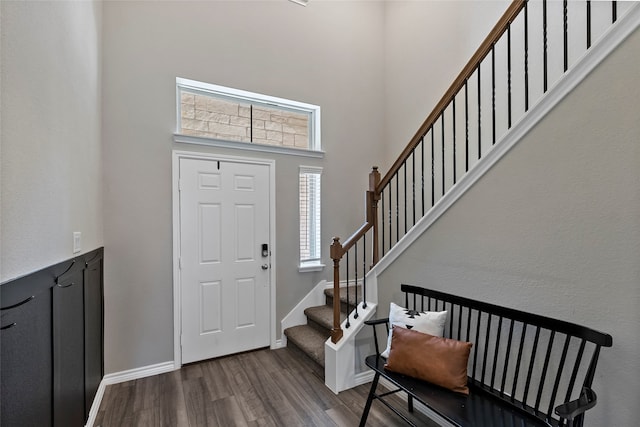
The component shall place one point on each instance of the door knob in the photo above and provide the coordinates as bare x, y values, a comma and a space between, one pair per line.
265, 266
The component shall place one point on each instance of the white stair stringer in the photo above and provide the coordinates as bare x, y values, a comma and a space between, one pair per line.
296, 316
339, 358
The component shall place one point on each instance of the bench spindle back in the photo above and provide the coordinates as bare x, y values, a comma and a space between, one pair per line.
533, 361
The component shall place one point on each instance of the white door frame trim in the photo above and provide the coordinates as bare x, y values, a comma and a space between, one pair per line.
177, 303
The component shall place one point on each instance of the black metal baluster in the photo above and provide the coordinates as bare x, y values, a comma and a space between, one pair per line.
479, 118
390, 223
454, 139
355, 263
526, 56
348, 324
413, 183
364, 271
614, 11
443, 166
565, 27
544, 44
397, 207
382, 222
422, 172
588, 24
433, 177
493, 93
466, 127
404, 170
509, 77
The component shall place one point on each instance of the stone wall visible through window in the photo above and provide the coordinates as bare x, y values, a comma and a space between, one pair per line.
231, 120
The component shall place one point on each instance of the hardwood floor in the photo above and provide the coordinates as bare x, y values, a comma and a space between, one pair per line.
260, 388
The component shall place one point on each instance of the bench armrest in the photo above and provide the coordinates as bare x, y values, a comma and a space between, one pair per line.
571, 410
373, 323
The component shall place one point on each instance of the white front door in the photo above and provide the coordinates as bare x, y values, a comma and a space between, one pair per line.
224, 273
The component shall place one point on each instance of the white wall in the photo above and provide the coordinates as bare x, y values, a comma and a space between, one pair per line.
554, 229
426, 45
328, 54
51, 174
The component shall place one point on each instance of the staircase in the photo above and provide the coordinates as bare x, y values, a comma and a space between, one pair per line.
310, 338
476, 122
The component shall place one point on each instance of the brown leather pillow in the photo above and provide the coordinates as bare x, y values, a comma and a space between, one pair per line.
438, 360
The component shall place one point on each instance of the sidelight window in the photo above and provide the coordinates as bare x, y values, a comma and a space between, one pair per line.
310, 246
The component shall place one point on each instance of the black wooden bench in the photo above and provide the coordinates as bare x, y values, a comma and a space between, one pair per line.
524, 370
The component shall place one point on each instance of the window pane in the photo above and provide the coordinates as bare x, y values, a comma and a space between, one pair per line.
310, 249
277, 126
226, 114
214, 117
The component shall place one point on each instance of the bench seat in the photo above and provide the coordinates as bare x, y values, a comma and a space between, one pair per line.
478, 409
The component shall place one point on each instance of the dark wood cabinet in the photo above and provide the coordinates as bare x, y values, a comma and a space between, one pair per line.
51, 344
68, 351
93, 330
25, 361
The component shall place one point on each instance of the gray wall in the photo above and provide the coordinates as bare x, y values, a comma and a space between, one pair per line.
51, 168
554, 228
328, 54
426, 45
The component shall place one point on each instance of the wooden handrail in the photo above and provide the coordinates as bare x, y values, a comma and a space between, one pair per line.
377, 185
353, 239
507, 18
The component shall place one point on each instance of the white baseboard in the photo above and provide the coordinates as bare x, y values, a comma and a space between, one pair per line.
279, 344
95, 406
363, 378
134, 374
120, 377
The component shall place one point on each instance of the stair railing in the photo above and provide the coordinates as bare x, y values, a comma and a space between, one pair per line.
478, 109
340, 250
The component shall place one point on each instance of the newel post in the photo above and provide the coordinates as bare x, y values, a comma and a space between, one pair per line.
372, 211
336, 255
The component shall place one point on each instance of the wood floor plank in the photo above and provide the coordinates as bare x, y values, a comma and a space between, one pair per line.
342, 416
274, 388
214, 377
243, 389
197, 399
228, 413
172, 405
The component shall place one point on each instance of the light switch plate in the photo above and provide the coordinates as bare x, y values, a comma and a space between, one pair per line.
77, 242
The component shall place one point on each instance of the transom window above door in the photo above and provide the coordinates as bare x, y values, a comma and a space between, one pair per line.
219, 115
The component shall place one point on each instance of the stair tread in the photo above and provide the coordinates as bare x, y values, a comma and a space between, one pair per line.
343, 294
323, 316
309, 340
